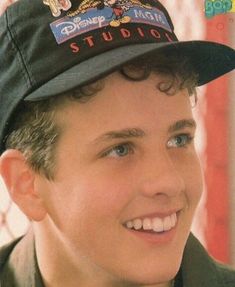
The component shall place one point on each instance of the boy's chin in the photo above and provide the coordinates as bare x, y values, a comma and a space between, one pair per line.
153, 276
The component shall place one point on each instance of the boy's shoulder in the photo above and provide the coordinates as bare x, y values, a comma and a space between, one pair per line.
226, 273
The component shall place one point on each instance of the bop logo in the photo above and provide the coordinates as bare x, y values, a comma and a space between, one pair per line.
215, 7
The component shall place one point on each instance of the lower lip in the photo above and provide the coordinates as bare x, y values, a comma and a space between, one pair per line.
155, 238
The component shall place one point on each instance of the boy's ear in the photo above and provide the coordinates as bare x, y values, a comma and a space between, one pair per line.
19, 179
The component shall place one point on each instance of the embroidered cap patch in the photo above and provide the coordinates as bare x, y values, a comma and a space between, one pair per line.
93, 14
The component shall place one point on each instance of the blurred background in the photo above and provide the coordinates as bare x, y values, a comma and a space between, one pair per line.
214, 223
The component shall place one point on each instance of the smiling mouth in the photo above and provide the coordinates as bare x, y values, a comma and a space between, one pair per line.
155, 225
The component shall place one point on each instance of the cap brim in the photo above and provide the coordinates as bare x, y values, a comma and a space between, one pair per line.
208, 59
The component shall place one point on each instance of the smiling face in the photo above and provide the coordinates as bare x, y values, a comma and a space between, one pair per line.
126, 157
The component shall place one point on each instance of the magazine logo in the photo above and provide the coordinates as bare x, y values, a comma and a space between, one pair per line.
216, 7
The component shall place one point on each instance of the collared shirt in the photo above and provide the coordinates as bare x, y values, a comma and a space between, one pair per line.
19, 268
18, 264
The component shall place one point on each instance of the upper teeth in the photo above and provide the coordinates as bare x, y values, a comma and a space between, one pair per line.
156, 224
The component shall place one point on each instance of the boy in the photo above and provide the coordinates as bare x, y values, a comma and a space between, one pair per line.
96, 139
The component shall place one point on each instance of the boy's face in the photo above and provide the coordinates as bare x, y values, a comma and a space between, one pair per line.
123, 155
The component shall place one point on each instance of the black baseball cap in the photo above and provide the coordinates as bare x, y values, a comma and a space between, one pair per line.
50, 47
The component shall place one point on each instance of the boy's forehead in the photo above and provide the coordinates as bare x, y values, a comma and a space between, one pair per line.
123, 104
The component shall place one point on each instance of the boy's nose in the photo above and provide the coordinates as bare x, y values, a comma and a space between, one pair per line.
161, 175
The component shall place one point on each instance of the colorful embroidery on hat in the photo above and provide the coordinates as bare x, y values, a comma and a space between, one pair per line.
119, 8
57, 5
92, 15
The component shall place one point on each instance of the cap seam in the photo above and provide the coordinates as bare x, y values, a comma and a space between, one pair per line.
20, 58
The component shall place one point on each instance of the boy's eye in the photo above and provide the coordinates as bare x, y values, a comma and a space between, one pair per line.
119, 150
180, 141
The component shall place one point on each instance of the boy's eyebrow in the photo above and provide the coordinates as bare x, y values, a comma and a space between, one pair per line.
121, 134
179, 125
139, 133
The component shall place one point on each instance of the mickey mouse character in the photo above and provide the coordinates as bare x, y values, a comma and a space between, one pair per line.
119, 8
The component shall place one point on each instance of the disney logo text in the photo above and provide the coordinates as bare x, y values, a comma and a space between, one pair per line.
70, 27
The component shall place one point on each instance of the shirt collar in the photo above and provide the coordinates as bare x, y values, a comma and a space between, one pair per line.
25, 270
198, 269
